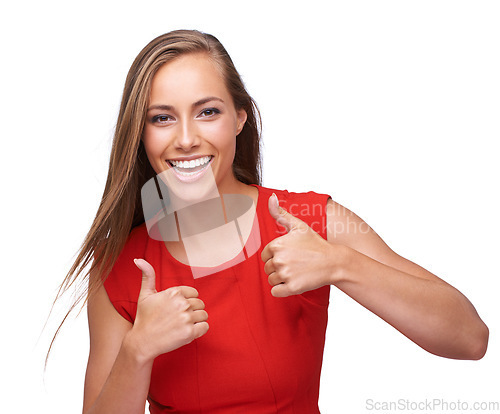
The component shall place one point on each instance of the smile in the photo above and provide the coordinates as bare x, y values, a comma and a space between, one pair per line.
191, 167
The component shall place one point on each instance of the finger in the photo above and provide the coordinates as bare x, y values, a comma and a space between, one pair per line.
275, 279
283, 217
269, 267
148, 286
200, 329
280, 291
199, 316
188, 291
267, 253
196, 304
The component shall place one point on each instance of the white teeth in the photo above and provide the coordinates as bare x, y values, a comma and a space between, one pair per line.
192, 163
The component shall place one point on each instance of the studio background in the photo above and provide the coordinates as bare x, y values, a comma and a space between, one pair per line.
390, 106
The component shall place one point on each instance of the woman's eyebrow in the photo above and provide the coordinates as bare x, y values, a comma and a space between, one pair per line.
197, 103
205, 100
163, 107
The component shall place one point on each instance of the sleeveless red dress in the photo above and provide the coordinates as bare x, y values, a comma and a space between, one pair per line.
261, 354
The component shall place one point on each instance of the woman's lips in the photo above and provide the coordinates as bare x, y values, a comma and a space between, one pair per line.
190, 170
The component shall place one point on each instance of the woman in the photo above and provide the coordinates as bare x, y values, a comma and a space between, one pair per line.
185, 116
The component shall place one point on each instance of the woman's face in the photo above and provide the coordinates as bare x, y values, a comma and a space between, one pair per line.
191, 124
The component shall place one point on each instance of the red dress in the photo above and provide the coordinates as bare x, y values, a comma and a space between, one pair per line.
261, 354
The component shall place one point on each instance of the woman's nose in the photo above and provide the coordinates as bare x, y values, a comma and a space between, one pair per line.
187, 136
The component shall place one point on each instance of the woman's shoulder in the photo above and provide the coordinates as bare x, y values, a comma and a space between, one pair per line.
124, 270
293, 198
309, 206
138, 234
135, 244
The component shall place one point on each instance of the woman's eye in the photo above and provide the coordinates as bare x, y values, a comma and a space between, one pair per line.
160, 119
209, 112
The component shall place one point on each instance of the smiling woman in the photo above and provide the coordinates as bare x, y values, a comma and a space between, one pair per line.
187, 124
192, 118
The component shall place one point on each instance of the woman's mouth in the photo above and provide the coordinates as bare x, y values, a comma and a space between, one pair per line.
190, 168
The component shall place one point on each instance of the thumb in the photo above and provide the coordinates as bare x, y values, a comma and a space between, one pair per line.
148, 286
283, 217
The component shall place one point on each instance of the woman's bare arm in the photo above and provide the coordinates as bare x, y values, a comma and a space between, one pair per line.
416, 302
429, 311
117, 380
122, 354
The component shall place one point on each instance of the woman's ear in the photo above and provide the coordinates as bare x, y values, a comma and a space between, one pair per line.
242, 118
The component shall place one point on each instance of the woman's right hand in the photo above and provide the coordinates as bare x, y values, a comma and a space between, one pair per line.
165, 320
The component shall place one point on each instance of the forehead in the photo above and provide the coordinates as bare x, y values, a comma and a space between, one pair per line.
189, 77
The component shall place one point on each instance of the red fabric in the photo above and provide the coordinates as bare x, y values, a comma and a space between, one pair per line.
261, 354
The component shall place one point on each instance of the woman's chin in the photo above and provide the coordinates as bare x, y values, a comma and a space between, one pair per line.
185, 190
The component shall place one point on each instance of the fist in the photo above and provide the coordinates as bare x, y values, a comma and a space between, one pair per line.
168, 319
298, 261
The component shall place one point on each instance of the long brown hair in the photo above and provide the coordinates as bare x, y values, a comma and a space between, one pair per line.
120, 209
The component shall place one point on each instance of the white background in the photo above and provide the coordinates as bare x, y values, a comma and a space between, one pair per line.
392, 107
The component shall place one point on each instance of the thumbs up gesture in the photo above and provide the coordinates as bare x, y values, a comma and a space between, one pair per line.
298, 261
168, 319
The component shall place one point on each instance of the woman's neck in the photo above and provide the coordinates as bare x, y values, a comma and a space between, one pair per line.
208, 231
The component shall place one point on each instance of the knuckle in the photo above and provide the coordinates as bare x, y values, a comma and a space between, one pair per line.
185, 318
294, 287
189, 332
181, 304
174, 291
263, 254
281, 264
285, 272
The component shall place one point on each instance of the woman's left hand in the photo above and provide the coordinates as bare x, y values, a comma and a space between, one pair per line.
300, 260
